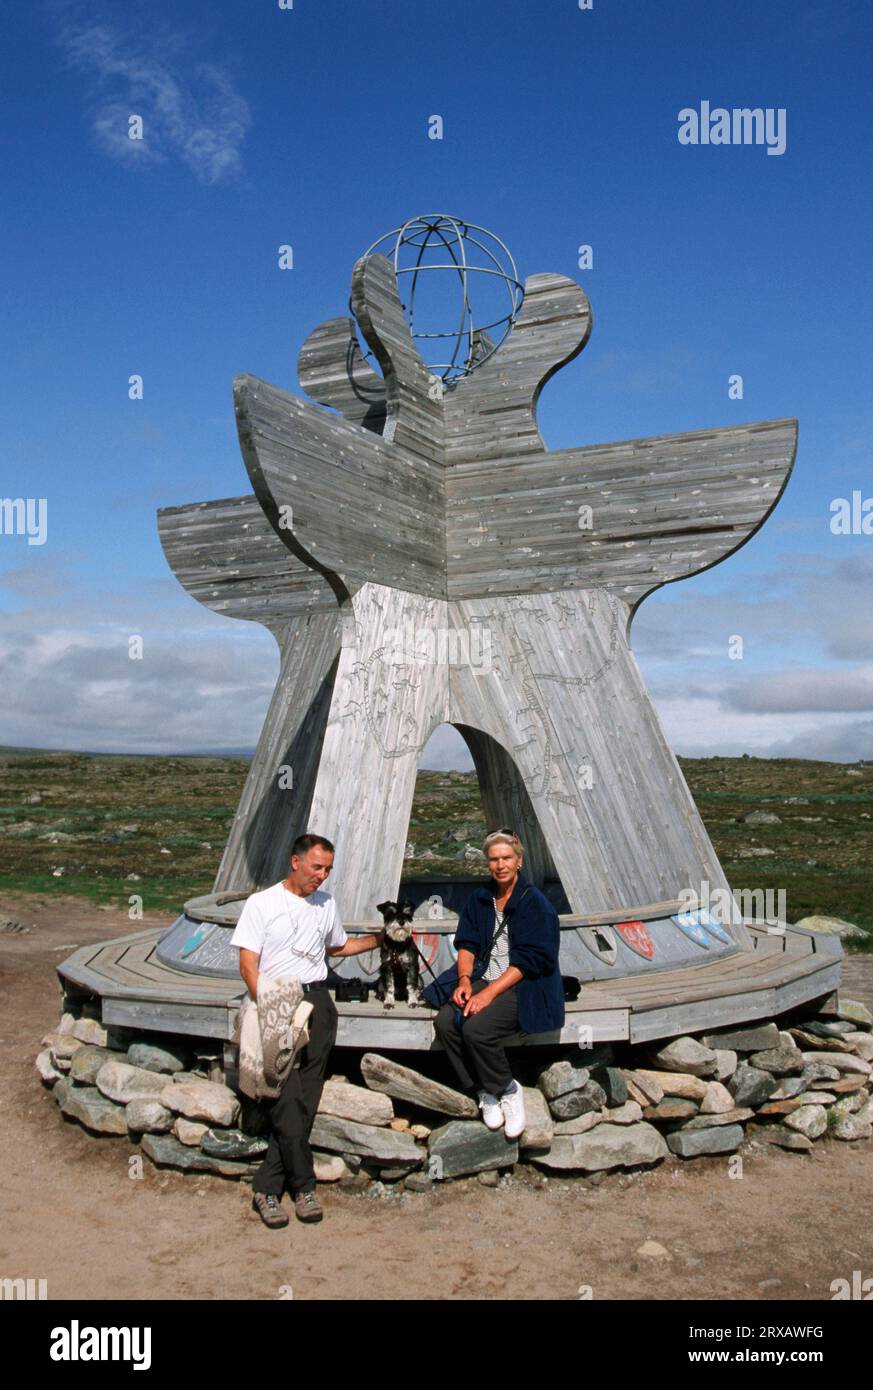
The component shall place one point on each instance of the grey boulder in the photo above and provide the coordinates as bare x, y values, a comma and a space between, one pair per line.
93, 1110
751, 1086
606, 1146
145, 1116
166, 1151
233, 1144
567, 1107
378, 1143
381, 1074
121, 1082
86, 1062
687, 1055
717, 1139
755, 1038
161, 1059
468, 1146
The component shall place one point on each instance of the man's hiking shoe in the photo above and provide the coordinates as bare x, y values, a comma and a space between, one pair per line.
307, 1207
268, 1207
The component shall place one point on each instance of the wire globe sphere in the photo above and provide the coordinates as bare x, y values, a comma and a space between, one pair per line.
459, 287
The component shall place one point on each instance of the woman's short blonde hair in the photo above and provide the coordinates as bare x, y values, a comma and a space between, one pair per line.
503, 837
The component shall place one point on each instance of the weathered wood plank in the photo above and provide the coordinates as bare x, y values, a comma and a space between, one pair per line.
228, 557
125, 980
640, 912
698, 987
562, 694
162, 1016
661, 509
704, 969
491, 414
355, 507
694, 1016
388, 696
333, 372
414, 421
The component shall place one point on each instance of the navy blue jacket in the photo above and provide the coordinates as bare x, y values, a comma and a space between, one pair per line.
534, 942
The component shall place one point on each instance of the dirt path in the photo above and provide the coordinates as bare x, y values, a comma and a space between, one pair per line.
72, 1214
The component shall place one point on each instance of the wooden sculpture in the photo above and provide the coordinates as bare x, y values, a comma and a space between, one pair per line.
399, 510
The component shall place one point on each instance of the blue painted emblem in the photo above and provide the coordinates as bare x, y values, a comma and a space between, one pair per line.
196, 939
689, 923
713, 926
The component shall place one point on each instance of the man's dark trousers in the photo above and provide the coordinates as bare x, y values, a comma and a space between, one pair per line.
475, 1050
288, 1160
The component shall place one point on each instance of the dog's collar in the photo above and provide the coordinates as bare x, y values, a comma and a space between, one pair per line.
395, 948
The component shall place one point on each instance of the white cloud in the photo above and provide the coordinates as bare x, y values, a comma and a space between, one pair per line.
701, 726
803, 606
838, 743
191, 111
805, 670
68, 680
788, 691
205, 682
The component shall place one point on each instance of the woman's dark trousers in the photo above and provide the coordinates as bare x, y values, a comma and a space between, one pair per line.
476, 1049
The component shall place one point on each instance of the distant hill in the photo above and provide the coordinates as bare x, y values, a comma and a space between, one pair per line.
104, 826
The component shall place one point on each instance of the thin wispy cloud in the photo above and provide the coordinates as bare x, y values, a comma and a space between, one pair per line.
205, 681
72, 684
786, 692
191, 110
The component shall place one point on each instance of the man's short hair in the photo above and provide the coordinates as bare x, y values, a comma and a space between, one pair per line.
304, 843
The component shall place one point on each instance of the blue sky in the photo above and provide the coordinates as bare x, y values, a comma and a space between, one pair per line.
309, 127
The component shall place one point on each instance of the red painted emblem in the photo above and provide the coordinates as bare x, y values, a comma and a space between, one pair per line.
428, 943
636, 936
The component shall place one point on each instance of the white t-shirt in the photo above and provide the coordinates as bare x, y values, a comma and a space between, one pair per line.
290, 933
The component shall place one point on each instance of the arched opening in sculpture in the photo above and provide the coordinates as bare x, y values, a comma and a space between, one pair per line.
505, 801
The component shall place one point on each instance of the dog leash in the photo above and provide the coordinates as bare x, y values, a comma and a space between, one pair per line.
420, 953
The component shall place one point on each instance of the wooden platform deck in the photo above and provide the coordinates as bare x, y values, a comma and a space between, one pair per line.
779, 973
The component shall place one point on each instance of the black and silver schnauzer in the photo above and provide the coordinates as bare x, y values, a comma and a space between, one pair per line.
399, 978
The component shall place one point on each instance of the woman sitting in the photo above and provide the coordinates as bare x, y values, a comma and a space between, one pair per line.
511, 929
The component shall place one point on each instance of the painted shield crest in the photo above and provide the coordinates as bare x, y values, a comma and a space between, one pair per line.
635, 935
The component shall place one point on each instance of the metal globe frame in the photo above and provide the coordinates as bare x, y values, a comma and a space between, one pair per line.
434, 231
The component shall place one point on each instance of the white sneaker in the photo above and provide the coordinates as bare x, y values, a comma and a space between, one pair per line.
512, 1105
492, 1111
